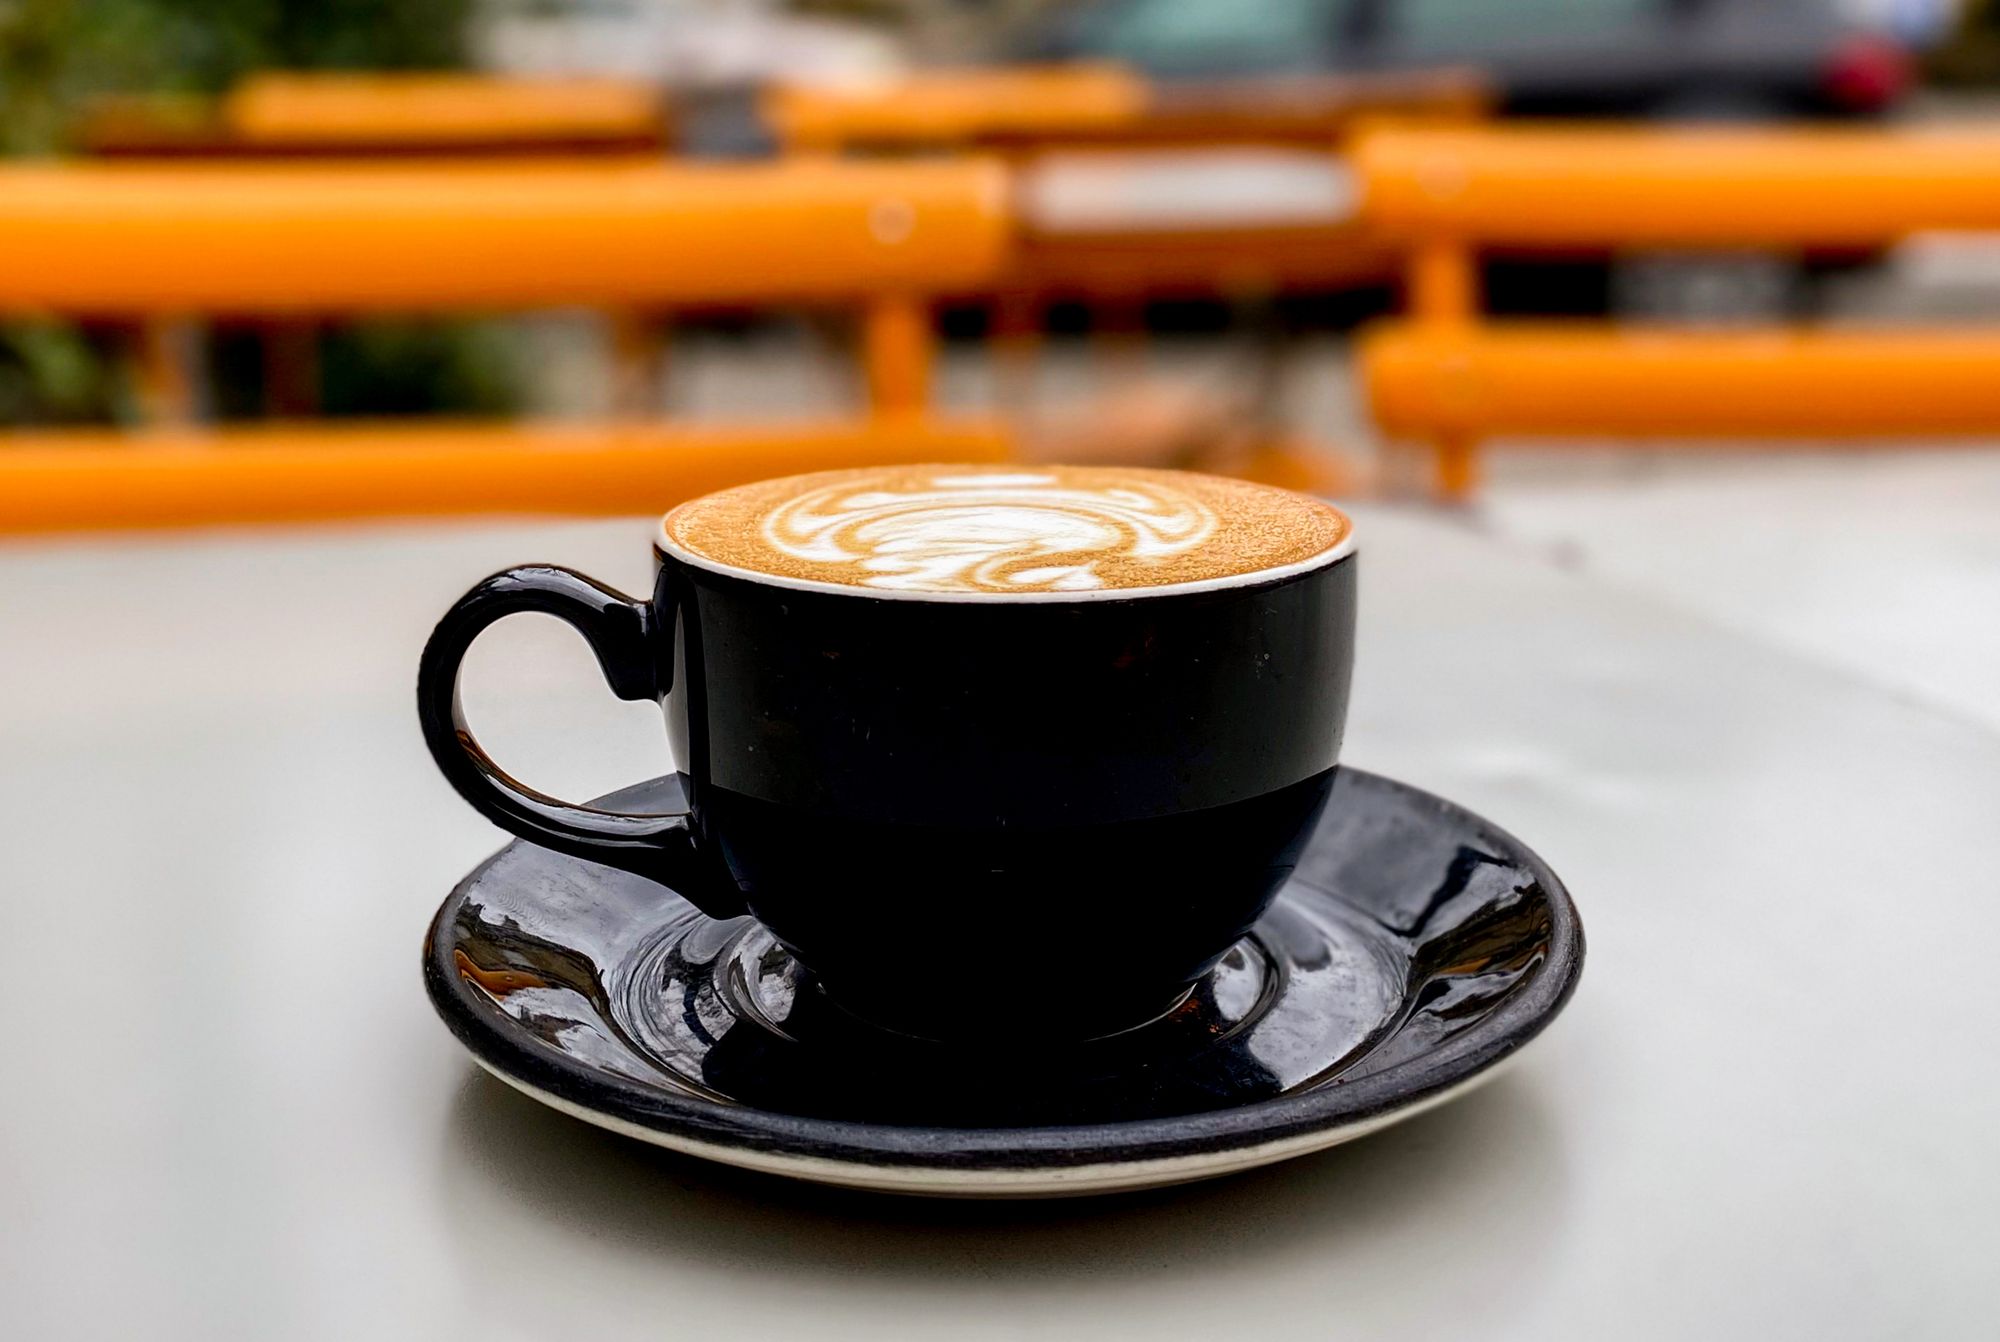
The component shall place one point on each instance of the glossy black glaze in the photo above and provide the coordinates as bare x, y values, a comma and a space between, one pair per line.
1125, 782
1415, 947
995, 714
1149, 904
622, 634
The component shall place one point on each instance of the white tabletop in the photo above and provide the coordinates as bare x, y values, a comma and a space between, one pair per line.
227, 1110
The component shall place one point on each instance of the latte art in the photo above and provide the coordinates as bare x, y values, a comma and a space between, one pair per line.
987, 533
1030, 532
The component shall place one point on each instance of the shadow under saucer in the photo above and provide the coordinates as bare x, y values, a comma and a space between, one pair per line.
1475, 1189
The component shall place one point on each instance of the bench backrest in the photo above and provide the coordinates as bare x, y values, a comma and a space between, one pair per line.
120, 239
1678, 187
317, 113
1022, 110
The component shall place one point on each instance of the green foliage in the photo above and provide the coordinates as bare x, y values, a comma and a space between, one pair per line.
412, 368
216, 41
56, 54
51, 374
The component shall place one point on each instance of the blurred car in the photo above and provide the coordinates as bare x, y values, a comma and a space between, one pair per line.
1700, 58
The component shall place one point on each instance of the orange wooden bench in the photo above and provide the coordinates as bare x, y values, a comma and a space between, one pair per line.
286, 239
1446, 377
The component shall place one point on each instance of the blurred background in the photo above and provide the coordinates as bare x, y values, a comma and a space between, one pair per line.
1655, 345
1689, 295
1325, 243
1228, 94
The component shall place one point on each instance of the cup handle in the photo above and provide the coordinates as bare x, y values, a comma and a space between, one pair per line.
623, 634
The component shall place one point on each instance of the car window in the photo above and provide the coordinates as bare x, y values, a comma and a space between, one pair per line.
1209, 34
1457, 24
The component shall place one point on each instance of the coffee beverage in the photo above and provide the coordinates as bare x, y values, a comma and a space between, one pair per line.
969, 531
1086, 715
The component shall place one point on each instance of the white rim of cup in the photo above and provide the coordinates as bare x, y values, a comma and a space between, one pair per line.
1340, 550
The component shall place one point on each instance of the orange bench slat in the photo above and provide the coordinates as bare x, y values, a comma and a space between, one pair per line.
97, 480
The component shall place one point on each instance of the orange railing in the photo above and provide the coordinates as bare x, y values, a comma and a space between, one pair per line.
954, 109
284, 115
370, 117
1129, 189
348, 239
309, 472
1450, 378
1029, 110
161, 241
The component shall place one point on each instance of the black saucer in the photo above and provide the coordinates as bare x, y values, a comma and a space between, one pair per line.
1416, 948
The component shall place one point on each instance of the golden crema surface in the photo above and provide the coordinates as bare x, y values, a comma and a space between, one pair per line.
1006, 531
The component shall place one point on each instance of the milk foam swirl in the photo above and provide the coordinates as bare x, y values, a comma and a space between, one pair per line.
1036, 533
987, 532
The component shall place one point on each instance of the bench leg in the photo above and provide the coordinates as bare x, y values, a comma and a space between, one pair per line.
165, 365
638, 363
897, 353
1456, 461
1015, 336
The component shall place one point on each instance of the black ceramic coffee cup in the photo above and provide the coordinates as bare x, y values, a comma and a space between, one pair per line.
1041, 816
